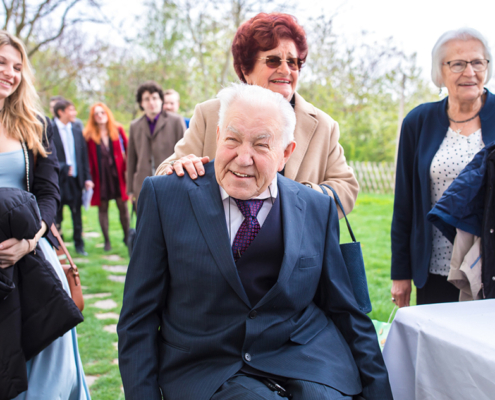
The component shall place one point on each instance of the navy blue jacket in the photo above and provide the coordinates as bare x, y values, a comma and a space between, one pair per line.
423, 130
82, 160
187, 324
468, 204
463, 203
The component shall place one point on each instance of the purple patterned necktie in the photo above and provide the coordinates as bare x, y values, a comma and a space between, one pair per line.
249, 227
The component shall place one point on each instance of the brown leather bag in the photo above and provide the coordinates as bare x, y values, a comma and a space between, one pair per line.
71, 272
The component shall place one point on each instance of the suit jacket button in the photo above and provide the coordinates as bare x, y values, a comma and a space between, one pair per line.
247, 357
253, 314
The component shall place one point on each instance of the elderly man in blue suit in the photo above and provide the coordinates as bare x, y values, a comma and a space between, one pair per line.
237, 288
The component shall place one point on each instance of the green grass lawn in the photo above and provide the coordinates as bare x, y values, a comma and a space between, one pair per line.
370, 221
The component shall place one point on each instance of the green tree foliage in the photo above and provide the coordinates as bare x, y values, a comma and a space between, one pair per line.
367, 87
361, 87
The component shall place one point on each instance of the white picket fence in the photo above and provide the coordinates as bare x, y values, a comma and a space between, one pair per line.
374, 177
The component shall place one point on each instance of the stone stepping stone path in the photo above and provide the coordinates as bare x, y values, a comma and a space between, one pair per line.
117, 278
91, 234
116, 345
91, 379
112, 257
115, 361
80, 260
110, 315
110, 328
99, 245
95, 296
105, 304
117, 269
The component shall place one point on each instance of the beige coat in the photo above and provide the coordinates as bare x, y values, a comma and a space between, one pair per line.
318, 158
141, 159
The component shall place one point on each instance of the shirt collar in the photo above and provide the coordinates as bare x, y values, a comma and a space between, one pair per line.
154, 119
270, 191
60, 124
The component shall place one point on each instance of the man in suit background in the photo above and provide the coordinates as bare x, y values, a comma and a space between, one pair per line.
237, 288
172, 103
54, 100
152, 137
74, 175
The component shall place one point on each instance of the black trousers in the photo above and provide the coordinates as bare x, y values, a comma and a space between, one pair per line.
250, 388
75, 208
437, 290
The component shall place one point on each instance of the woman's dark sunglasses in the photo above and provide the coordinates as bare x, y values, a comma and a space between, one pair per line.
275, 61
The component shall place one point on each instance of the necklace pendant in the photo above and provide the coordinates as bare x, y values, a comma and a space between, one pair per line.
459, 131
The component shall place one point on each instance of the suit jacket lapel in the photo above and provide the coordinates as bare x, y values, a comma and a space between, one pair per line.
162, 121
58, 143
208, 209
77, 146
143, 126
293, 213
305, 129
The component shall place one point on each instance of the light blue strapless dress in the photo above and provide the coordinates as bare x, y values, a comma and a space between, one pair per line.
56, 373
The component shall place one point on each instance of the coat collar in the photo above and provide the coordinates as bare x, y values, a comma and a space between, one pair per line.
306, 124
209, 212
144, 126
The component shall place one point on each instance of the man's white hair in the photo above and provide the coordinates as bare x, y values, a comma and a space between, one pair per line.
440, 48
260, 98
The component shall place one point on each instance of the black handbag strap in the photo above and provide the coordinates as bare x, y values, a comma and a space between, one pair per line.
342, 208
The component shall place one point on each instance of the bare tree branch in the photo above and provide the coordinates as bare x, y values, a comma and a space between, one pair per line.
26, 17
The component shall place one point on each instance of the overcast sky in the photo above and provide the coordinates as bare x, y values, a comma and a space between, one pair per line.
414, 25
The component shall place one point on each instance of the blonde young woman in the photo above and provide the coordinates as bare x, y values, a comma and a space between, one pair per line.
28, 161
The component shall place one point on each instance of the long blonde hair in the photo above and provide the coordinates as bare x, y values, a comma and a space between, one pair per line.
22, 114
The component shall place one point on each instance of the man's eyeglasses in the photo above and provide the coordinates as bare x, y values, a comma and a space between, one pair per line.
457, 66
275, 61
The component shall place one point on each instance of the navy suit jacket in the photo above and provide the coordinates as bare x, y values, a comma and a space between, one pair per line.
83, 173
187, 325
422, 133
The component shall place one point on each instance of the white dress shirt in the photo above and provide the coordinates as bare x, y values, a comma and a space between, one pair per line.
236, 218
68, 142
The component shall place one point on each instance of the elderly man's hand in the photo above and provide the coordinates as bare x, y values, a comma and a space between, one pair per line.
191, 163
401, 292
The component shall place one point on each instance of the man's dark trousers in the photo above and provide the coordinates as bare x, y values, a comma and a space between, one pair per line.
249, 388
75, 205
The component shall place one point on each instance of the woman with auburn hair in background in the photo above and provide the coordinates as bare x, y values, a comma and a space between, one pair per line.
269, 50
28, 161
107, 144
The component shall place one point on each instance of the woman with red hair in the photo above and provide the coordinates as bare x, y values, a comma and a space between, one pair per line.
107, 144
269, 50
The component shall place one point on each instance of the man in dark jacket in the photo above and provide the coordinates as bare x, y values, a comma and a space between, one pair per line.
74, 166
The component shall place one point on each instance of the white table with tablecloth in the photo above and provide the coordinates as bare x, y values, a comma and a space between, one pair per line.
443, 352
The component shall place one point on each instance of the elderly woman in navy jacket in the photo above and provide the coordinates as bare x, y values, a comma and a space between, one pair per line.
437, 141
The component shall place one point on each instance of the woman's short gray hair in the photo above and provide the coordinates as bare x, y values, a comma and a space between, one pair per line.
439, 50
262, 98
